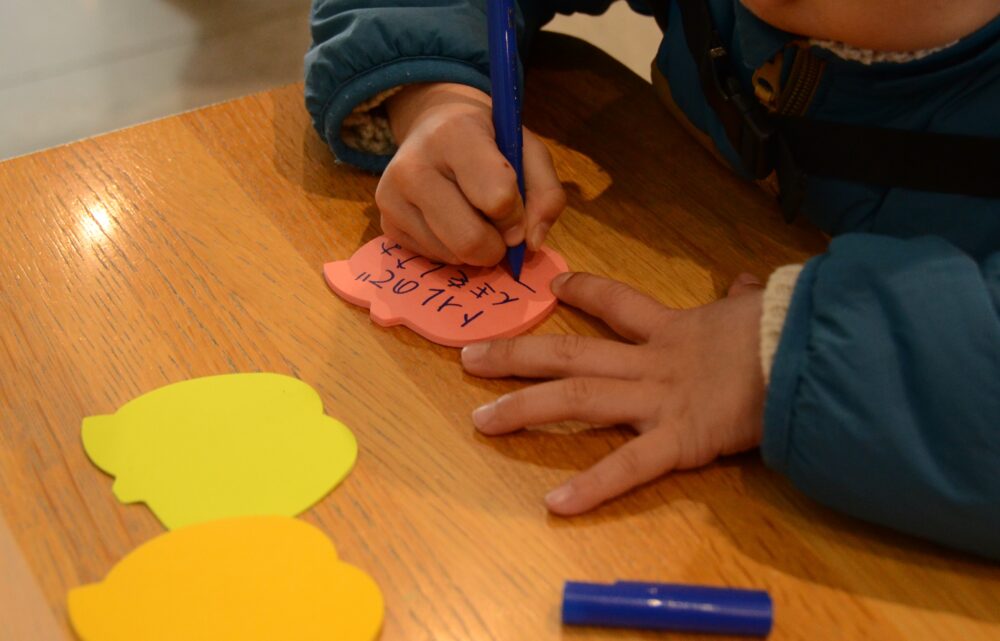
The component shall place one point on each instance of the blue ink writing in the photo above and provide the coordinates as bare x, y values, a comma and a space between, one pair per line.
378, 283
507, 298
437, 292
459, 281
448, 303
469, 319
526, 286
483, 291
405, 286
401, 264
436, 267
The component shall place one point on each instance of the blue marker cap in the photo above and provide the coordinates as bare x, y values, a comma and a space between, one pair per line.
668, 606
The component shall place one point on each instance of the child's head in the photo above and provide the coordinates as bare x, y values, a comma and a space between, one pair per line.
886, 25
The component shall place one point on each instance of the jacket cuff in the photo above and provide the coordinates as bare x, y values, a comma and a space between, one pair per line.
366, 145
777, 298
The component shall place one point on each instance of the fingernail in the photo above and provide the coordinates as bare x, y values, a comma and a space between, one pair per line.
560, 495
514, 236
473, 352
538, 236
483, 415
559, 281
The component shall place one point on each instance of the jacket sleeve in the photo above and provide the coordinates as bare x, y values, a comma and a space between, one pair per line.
363, 49
884, 394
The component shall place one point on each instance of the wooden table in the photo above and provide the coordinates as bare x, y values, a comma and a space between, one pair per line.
193, 246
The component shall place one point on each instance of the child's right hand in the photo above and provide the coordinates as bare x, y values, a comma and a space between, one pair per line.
449, 193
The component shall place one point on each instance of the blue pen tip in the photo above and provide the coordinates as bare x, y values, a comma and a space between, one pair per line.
515, 258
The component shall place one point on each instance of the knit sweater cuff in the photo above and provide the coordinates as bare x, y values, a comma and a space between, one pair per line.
870, 57
367, 127
777, 297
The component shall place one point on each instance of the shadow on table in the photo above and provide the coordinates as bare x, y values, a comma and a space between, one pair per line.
587, 94
753, 506
303, 158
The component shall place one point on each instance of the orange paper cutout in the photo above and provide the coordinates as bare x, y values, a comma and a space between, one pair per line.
255, 578
447, 304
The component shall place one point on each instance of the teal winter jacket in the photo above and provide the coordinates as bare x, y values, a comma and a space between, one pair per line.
884, 396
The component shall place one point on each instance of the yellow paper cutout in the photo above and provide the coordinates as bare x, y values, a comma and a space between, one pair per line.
222, 446
266, 578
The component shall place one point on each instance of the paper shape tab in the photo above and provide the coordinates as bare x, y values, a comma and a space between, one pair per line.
244, 579
222, 446
447, 304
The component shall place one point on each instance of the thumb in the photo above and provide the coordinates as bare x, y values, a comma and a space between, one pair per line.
545, 196
486, 179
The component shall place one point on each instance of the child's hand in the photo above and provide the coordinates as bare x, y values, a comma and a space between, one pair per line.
691, 385
449, 193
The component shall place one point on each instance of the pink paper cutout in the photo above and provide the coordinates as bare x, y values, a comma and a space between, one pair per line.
452, 305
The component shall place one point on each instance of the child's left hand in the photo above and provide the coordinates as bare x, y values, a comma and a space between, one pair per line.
690, 383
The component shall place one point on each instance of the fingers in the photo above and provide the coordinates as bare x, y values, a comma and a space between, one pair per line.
638, 461
404, 222
489, 183
419, 193
597, 401
744, 283
460, 227
554, 356
402, 238
628, 312
545, 196
464, 192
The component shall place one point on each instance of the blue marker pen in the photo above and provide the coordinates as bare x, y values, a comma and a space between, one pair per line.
506, 94
668, 606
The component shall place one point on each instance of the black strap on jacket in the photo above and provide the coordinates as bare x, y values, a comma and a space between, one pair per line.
798, 147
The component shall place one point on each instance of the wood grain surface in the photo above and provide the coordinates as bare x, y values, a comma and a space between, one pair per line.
193, 246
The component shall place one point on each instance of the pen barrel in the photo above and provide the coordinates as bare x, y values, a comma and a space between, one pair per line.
666, 606
505, 83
